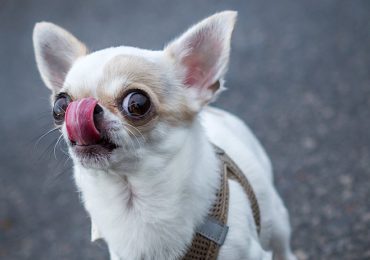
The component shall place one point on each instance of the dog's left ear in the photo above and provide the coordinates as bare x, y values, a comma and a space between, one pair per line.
201, 54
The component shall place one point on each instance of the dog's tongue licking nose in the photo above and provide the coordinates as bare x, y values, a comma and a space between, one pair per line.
80, 124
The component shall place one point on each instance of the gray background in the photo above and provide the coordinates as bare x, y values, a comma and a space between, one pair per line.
299, 76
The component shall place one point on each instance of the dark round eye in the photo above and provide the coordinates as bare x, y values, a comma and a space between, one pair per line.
60, 107
136, 104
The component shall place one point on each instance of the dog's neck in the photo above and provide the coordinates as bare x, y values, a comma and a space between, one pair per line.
156, 215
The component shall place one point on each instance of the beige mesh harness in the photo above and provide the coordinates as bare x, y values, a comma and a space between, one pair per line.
206, 244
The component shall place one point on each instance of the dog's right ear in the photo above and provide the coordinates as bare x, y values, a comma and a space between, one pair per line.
56, 50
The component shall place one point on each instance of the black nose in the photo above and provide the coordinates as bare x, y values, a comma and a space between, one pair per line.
98, 116
98, 110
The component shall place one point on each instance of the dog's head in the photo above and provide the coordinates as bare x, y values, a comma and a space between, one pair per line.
116, 105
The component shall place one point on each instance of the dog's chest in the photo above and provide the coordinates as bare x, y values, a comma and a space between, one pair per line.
155, 217
135, 227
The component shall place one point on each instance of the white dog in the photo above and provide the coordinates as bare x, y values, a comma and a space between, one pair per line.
143, 142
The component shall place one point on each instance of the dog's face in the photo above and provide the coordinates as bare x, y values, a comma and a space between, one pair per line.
120, 106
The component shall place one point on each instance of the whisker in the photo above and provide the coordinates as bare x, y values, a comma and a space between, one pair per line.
137, 130
56, 144
43, 135
66, 161
137, 140
127, 127
137, 156
63, 151
132, 143
47, 149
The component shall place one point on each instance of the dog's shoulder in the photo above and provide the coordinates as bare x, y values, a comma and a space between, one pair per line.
235, 137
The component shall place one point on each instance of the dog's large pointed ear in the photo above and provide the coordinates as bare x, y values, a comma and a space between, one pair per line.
201, 54
56, 50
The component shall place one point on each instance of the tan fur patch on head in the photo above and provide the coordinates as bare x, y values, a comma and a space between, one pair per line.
133, 72
126, 71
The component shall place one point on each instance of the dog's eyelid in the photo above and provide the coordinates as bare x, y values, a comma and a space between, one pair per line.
62, 94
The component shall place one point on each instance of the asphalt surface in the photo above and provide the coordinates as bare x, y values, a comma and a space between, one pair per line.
299, 76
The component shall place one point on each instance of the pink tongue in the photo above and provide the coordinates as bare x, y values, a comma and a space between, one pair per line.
80, 122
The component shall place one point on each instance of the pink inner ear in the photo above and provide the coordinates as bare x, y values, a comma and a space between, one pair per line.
195, 71
201, 62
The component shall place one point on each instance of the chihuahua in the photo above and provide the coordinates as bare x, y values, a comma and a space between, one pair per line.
142, 137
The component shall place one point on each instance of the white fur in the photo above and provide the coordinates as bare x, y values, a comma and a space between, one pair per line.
192, 173
148, 207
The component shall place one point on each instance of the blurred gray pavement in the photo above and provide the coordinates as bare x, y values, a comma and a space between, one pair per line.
299, 76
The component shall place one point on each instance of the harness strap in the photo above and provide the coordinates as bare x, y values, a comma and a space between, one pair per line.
213, 230
202, 247
211, 234
234, 173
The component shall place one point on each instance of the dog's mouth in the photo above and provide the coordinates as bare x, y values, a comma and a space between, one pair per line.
87, 132
102, 148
